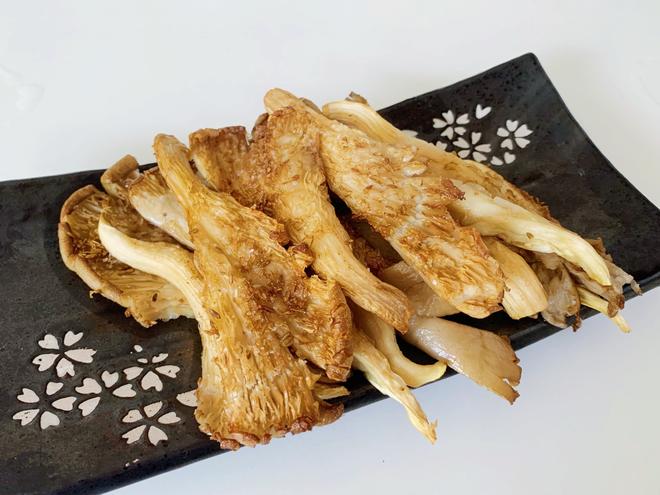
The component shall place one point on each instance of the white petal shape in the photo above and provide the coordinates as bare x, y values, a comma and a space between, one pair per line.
459, 130
160, 358
461, 143
507, 143
81, 355
409, 132
484, 148
496, 161
511, 125
448, 133
88, 406
125, 391
441, 145
480, 112
169, 418
71, 338
448, 116
188, 398
479, 157
522, 142
156, 435
65, 367
64, 404
109, 379
168, 370
475, 137
522, 131
28, 396
152, 409
143, 360
509, 157
44, 361
463, 119
132, 416
132, 436
137, 348
26, 417
439, 123
133, 372
151, 380
48, 419
464, 153
502, 132
89, 386
53, 387
48, 342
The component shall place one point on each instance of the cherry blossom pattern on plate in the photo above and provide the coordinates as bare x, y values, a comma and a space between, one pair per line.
64, 355
514, 135
151, 370
47, 407
149, 420
472, 146
451, 125
459, 135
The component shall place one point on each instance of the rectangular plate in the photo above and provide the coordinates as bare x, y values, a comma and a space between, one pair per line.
48, 312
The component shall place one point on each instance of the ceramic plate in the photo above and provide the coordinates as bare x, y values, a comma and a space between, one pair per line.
89, 400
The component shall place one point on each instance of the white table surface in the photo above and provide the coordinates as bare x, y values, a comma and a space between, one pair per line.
98, 81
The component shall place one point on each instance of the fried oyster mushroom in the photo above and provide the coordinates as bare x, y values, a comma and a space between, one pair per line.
283, 172
387, 185
146, 297
587, 271
149, 195
314, 310
484, 357
252, 388
377, 370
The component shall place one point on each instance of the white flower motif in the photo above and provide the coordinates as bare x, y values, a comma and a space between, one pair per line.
148, 415
64, 357
409, 132
477, 150
151, 378
452, 125
47, 418
514, 134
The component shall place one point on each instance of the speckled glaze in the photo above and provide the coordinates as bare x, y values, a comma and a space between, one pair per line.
40, 295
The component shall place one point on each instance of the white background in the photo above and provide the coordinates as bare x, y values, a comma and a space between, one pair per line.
99, 80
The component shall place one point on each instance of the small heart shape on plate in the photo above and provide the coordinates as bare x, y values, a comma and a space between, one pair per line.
71, 338
89, 386
480, 112
53, 387
49, 342
88, 406
28, 396
109, 379
509, 157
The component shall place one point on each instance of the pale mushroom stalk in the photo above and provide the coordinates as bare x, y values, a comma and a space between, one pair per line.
524, 294
383, 337
368, 359
591, 300
484, 357
495, 216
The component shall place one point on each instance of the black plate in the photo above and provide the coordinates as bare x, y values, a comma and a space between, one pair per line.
45, 305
